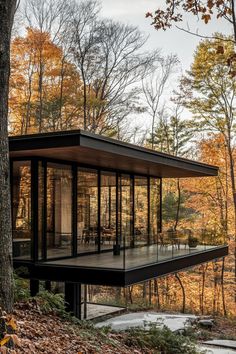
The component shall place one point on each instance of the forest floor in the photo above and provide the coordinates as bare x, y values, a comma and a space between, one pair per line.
224, 328
48, 333
38, 333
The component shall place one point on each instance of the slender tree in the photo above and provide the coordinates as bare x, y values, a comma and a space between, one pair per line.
172, 135
210, 94
110, 58
154, 86
7, 11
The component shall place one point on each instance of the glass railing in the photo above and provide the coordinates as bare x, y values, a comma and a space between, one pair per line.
141, 249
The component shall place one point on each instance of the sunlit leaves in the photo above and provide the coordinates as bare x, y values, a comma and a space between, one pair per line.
44, 86
212, 85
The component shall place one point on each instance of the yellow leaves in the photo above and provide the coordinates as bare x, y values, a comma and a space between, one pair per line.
11, 339
12, 323
40, 73
5, 340
8, 338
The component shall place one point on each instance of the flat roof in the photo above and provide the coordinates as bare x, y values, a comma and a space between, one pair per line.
102, 152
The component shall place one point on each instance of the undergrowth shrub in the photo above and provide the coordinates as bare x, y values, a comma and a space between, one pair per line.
21, 288
161, 340
51, 303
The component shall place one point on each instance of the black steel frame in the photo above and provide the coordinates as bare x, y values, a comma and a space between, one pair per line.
35, 161
41, 270
117, 277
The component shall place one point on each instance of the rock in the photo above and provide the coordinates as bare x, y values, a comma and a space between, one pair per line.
206, 323
175, 322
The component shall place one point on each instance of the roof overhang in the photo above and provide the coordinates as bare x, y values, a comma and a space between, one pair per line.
95, 150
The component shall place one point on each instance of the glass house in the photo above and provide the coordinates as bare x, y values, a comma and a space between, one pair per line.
87, 209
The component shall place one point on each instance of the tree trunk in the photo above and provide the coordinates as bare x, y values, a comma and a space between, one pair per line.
61, 92
222, 287
232, 175
202, 296
183, 292
156, 293
130, 291
149, 292
7, 10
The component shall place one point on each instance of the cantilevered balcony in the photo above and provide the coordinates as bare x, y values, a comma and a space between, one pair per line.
171, 252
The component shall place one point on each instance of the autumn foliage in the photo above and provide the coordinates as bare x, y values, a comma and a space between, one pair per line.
45, 89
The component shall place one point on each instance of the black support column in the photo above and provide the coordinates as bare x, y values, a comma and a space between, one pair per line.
73, 299
34, 287
34, 209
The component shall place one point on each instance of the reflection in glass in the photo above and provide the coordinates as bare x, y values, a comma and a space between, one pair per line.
108, 210
141, 211
40, 208
154, 209
125, 224
21, 210
59, 210
87, 239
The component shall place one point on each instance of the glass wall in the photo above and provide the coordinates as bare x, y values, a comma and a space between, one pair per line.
140, 211
87, 211
123, 211
40, 209
21, 209
59, 210
108, 210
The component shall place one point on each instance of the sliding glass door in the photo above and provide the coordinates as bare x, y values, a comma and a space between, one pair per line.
87, 211
141, 221
21, 209
59, 210
108, 210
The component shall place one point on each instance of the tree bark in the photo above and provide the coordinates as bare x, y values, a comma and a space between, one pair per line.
183, 292
233, 186
222, 287
7, 10
202, 296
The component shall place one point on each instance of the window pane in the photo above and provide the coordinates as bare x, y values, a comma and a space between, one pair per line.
141, 211
87, 239
125, 210
40, 209
154, 208
108, 210
21, 212
59, 210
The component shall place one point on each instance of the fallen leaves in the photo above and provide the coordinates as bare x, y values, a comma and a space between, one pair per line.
49, 334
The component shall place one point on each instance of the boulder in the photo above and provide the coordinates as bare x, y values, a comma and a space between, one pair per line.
206, 323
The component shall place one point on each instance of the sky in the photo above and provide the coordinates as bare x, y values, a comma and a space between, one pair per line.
171, 40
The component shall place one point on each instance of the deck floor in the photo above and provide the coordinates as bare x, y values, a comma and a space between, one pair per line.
133, 257
97, 311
